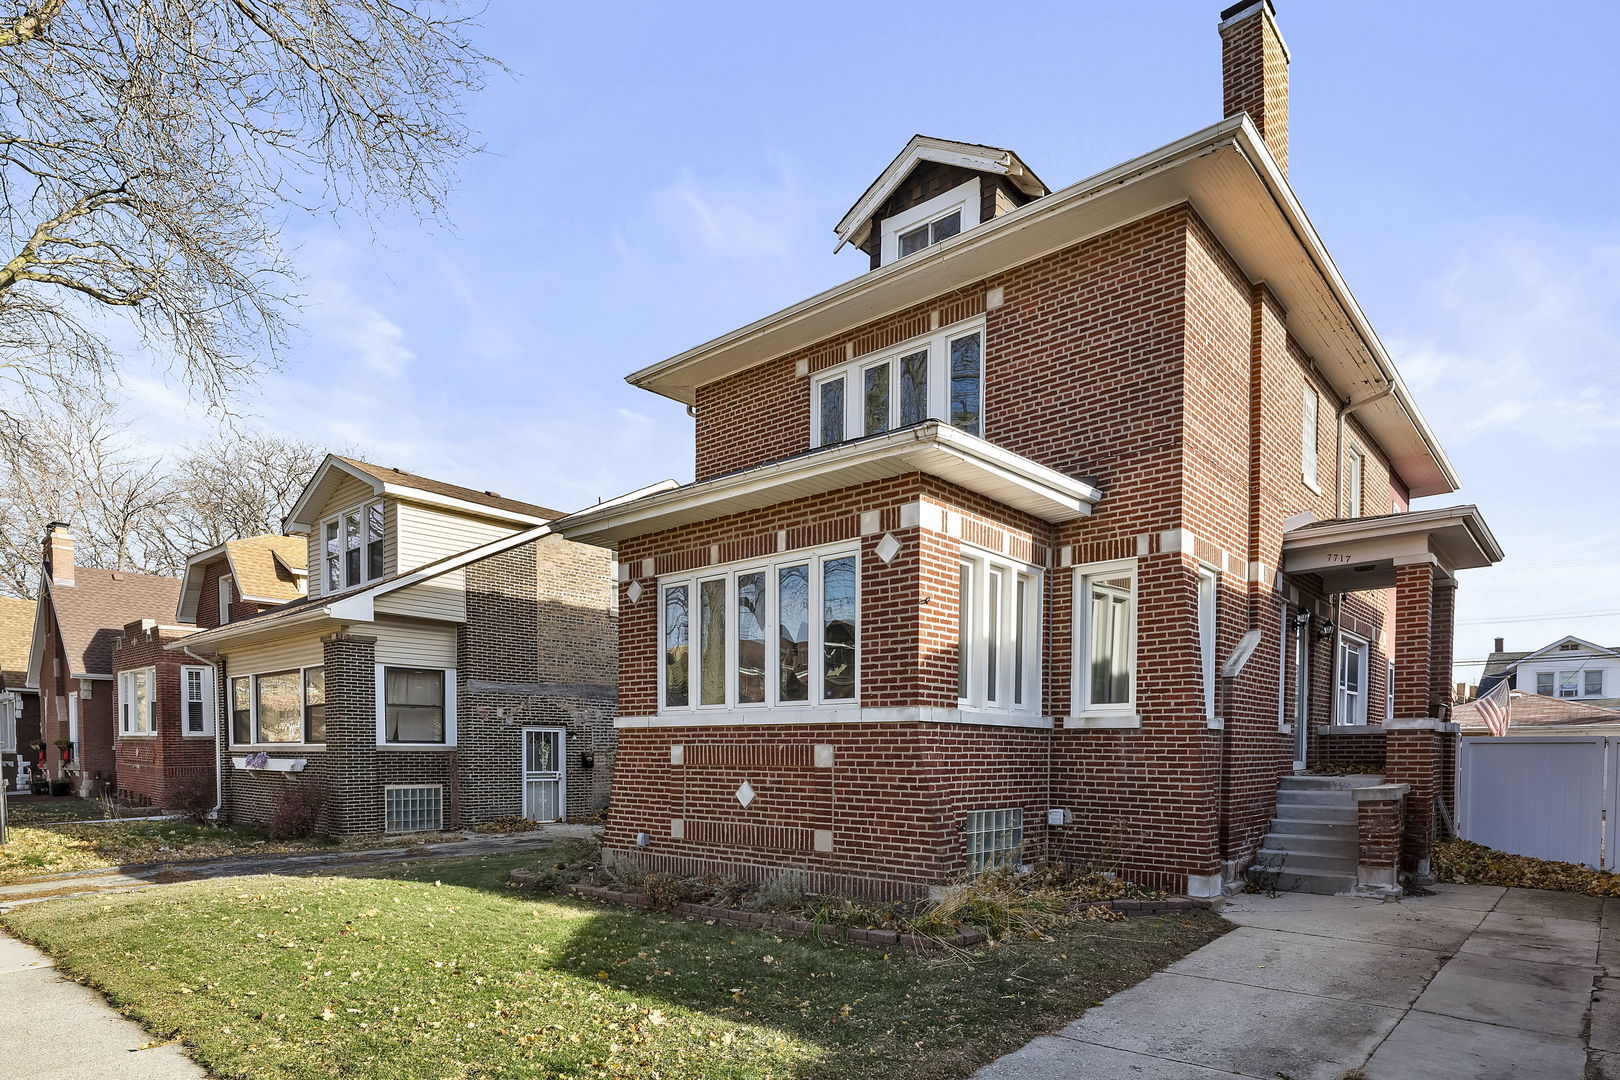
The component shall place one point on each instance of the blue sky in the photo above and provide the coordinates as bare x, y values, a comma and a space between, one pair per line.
656, 175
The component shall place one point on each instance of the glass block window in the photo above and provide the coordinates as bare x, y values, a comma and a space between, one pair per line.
413, 809
994, 838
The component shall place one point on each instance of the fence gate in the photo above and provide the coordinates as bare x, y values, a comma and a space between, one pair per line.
1551, 797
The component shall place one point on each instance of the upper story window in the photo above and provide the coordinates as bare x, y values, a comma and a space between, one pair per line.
224, 599
940, 377
782, 633
352, 547
1570, 684
1355, 467
930, 222
1309, 405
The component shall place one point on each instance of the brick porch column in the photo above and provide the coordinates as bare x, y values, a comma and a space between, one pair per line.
1442, 630
1380, 813
1414, 648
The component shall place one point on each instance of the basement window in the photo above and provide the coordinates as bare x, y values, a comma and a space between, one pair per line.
413, 808
994, 838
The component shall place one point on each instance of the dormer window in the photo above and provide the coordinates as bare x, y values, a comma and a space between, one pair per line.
935, 377
352, 547
931, 222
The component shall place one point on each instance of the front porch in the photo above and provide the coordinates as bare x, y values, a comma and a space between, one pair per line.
1412, 747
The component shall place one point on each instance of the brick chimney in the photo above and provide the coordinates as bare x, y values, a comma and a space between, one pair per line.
1499, 647
58, 553
1254, 71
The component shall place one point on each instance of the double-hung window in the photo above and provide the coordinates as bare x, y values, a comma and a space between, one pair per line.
1350, 681
1592, 683
998, 634
279, 708
778, 633
940, 376
1302, 673
135, 692
1105, 640
416, 706
352, 547
196, 701
1355, 465
1309, 405
225, 599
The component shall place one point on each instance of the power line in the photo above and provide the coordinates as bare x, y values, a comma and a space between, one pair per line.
1589, 613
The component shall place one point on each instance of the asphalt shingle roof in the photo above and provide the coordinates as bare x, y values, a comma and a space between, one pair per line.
94, 609
454, 491
16, 638
1534, 710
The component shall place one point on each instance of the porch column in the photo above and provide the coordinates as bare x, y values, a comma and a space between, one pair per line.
1442, 628
1414, 645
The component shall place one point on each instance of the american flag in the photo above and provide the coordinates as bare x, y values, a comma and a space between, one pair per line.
1494, 706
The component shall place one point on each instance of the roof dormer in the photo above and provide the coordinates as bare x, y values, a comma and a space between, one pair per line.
934, 190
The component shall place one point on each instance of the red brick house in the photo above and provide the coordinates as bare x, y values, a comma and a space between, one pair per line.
1072, 528
81, 615
165, 697
451, 663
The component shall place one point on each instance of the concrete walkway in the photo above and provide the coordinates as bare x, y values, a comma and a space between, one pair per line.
1473, 983
53, 1029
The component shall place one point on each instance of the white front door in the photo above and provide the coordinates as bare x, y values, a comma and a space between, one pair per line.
544, 783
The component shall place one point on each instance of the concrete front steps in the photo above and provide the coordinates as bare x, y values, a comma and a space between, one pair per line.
1312, 846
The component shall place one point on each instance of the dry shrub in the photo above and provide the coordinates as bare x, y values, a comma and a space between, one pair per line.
506, 825
298, 811
191, 797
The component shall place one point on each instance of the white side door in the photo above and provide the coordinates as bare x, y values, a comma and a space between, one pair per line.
545, 795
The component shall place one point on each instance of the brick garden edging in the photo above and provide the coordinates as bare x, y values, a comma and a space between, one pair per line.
871, 939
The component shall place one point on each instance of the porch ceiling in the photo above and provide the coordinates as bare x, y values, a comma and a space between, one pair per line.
1362, 553
932, 447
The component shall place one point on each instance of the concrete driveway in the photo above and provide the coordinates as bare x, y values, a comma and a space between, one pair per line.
1472, 983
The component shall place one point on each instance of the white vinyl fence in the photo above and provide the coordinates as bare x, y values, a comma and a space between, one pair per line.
1550, 796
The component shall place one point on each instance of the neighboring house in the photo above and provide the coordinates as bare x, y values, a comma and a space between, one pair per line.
81, 615
1570, 668
452, 662
19, 703
976, 537
165, 698
1534, 714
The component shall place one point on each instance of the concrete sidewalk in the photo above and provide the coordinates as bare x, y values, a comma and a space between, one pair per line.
1472, 983
54, 1029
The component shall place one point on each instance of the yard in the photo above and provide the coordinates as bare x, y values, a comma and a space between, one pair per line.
44, 809
440, 970
33, 851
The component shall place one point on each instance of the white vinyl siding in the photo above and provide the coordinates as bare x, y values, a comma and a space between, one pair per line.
440, 597
427, 535
278, 655
403, 644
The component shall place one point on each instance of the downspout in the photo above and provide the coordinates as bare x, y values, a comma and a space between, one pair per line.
219, 783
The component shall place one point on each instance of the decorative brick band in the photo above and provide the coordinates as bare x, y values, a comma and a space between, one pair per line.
870, 939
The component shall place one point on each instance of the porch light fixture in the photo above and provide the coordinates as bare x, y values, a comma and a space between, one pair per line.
1302, 617
1327, 629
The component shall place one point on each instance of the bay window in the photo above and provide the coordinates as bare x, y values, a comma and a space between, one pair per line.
936, 377
998, 634
352, 547
135, 692
1105, 640
279, 708
777, 633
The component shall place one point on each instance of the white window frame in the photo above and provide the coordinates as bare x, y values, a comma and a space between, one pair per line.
253, 709
1389, 690
1586, 677
1309, 437
815, 558
1355, 469
1552, 683
209, 702
362, 511
1302, 673
1208, 630
129, 726
449, 708
1575, 683
937, 343
964, 197
224, 598
1081, 710
1358, 711
1013, 639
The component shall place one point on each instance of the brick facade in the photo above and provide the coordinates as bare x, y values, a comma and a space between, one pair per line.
157, 769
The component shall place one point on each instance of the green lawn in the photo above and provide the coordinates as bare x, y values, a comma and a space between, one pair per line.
438, 970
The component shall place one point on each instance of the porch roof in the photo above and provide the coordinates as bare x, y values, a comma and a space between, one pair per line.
931, 447
1362, 553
